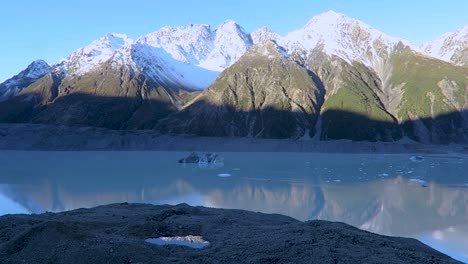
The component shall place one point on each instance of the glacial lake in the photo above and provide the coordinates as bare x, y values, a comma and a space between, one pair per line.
422, 197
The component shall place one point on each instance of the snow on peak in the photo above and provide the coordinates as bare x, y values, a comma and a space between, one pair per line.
160, 66
37, 68
231, 41
40, 63
187, 44
110, 46
270, 49
329, 16
116, 41
232, 29
198, 45
263, 34
229, 25
345, 37
445, 46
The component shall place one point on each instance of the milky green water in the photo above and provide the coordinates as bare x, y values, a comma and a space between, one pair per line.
401, 195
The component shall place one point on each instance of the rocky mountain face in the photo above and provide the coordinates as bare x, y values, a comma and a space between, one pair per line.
334, 78
264, 94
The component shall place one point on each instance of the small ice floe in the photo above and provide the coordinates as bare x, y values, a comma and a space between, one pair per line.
418, 181
337, 180
383, 174
189, 241
207, 157
204, 160
224, 175
416, 158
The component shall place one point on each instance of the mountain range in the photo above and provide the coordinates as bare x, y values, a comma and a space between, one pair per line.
334, 78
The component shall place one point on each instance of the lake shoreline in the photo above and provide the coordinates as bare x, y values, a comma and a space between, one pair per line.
41, 137
116, 233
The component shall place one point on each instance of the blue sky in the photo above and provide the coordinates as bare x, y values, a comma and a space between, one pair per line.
51, 30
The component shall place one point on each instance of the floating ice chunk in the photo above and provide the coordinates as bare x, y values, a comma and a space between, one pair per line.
224, 175
337, 180
416, 158
383, 174
418, 181
189, 241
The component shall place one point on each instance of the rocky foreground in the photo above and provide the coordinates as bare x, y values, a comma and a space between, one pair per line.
58, 138
116, 234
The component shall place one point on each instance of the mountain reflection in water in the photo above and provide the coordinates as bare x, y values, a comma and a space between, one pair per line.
425, 198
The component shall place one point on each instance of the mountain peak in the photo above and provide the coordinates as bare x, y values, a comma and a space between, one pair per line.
331, 14
230, 27
270, 49
96, 53
116, 40
329, 18
229, 23
35, 70
230, 42
450, 47
263, 34
332, 20
186, 44
39, 63
348, 38
115, 35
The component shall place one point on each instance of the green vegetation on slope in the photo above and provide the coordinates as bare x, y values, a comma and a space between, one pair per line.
433, 92
352, 108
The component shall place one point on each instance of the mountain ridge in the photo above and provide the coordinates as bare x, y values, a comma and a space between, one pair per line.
195, 44
450, 47
334, 78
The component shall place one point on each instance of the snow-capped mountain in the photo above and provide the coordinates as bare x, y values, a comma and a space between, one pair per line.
193, 56
189, 57
337, 34
111, 46
450, 47
338, 71
160, 67
264, 34
32, 73
186, 44
230, 43
198, 45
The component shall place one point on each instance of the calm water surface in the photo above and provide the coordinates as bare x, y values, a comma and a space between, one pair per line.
388, 194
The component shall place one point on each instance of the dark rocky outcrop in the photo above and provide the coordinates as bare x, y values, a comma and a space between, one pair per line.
116, 234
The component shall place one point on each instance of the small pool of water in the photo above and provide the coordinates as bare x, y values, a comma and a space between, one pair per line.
196, 242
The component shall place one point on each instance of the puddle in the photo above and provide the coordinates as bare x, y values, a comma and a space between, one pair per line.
189, 241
